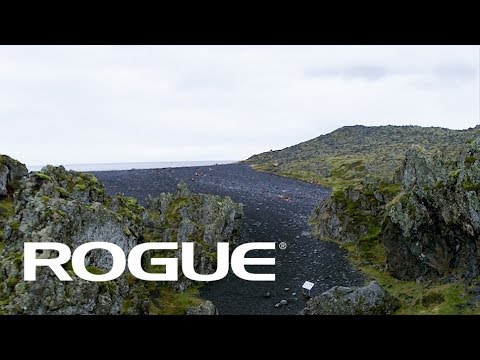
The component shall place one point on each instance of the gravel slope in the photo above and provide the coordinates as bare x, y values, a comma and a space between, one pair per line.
276, 209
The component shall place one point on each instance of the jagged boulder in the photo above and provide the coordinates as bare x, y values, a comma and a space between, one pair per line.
205, 308
351, 212
340, 300
433, 226
11, 171
56, 205
185, 217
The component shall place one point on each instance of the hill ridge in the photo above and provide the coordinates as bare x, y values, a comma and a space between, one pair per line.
351, 153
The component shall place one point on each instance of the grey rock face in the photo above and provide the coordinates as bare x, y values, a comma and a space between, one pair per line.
205, 308
3, 180
72, 208
367, 300
11, 171
351, 212
433, 226
186, 217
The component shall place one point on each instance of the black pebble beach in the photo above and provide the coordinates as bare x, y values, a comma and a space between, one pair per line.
276, 210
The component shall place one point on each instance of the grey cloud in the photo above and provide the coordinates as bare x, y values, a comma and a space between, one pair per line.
366, 72
455, 72
92, 104
370, 73
446, 77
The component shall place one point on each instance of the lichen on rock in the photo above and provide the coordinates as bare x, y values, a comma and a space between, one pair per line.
56, 205
200, 218
433, 227
205, 308
340, 300
11, 171
427, 220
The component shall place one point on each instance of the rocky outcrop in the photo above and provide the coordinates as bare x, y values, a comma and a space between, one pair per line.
367, 300
202, 218
351, 212
72, 208
56, 205
432, 228
427, 221
353, 215
205, 308
11, 171
351, 153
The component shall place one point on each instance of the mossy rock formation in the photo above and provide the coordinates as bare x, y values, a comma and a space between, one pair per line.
56, 205
432, 229
350, 154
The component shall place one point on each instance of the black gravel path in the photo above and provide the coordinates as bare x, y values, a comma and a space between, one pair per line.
276, 209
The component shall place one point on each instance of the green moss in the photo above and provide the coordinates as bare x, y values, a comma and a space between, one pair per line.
43, 176
171, 302
80, 187
6, 212
454, 174
399, 198
338, 192
15, 225
126, 306
12, 281
438, 185
415, 298
468, 185
371, 248
350, 154
130, 278
63, 192
470, 159
127, 231
110, 286
61, 213
433, 298
129, 209
94, 270
172, 215
390, 189
6, 208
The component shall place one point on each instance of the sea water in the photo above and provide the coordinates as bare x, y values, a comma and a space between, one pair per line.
139, 165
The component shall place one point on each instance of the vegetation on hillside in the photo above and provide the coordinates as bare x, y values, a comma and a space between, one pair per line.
363, 165
350, 154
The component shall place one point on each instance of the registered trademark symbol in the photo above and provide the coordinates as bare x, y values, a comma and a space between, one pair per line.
282, 245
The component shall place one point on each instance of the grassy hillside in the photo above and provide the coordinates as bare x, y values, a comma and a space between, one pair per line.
348, 155
346, 159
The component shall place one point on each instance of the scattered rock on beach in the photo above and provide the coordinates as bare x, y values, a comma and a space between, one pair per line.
340, 300
205, 308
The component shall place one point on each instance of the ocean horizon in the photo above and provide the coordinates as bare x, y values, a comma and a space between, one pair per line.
136, 165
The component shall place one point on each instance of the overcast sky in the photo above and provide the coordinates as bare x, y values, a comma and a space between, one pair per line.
101, 104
